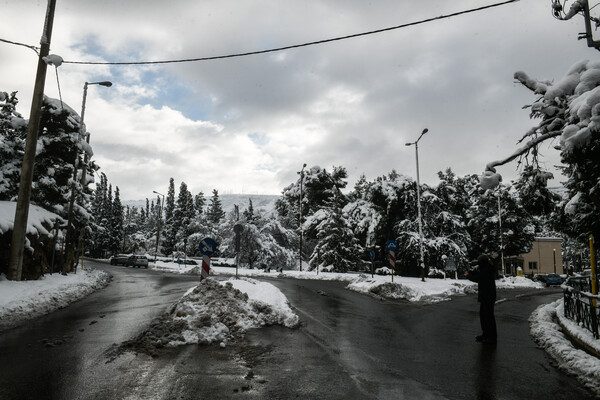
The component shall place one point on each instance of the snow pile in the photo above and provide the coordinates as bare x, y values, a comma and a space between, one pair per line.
517, 282
548, 335
217, 311
24, 300
411, 289
405, 288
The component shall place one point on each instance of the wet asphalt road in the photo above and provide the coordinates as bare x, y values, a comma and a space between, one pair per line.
349, 346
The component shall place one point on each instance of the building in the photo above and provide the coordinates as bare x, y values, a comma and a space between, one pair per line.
545, 257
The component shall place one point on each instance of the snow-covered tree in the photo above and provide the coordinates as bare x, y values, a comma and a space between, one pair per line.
518, 228
13, 129
569, 110
116, 224
57, 151
336, 248
215, 210
199, 203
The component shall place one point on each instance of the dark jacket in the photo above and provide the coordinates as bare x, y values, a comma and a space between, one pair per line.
486, 280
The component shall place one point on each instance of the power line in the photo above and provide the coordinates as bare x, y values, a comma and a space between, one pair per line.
297, 45
276, 49
22, 44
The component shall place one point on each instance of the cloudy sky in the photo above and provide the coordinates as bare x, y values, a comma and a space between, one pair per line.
247, 125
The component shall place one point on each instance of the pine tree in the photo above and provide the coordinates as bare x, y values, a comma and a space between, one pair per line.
57, 152
170, 201
336, 245
13, 129
199, 203
215, 210
248, 214
116, 224
170, 230
518, 228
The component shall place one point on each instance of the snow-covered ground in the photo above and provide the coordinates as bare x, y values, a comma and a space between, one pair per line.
25, 300
217, 311
405, 288
548, 335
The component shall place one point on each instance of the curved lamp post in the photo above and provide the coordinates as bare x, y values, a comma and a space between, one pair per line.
75, 166
422, 257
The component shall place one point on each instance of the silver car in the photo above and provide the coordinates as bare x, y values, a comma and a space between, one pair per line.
137, 261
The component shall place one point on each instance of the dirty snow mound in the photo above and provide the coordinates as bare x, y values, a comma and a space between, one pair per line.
213, 312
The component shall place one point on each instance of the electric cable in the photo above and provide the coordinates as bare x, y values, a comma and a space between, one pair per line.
318, 42
295, 46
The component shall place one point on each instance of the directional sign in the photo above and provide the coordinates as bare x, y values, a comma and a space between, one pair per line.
207, 246
391, 245
371, 255
450, 264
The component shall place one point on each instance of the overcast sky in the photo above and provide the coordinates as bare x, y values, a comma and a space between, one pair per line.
247, 125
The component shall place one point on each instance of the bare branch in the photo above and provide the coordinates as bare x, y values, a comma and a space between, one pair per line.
522, 150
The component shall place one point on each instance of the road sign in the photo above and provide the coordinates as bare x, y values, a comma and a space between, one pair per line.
371, 255
450, 264
391, 245
207, 247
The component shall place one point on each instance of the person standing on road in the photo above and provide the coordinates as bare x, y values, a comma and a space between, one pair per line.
486, 286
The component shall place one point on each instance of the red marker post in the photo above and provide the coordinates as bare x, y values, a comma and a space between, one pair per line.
392, 245
207, 247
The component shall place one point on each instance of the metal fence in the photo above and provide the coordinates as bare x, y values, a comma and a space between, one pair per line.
581, 304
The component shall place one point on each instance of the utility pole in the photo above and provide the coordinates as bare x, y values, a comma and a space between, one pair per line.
15, 265
578, 7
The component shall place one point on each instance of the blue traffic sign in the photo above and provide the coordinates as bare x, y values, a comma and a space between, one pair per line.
391, 245
371, 255
207, 246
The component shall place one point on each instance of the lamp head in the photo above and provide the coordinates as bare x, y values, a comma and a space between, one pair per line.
425, 131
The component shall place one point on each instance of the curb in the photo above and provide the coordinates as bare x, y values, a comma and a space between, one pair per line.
583, 345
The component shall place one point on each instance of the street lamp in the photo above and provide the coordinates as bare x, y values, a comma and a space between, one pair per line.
422, 258
301, 230
158, 223
75, 164
82, 129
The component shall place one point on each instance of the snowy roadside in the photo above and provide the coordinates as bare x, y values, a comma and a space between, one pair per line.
381, 286
213, 311
549, 336
25, 300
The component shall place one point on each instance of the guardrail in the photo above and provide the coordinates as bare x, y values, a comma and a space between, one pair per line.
581, 305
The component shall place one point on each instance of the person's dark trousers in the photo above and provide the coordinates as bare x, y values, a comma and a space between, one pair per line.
488, 320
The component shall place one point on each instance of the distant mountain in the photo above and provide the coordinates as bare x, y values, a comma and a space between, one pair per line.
259, 201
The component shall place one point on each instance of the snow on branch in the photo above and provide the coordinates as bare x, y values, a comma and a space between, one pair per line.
568, 108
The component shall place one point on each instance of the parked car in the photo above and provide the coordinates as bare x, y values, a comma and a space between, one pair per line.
383, 271
540, 278
137, 261
554, 279
119, 259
